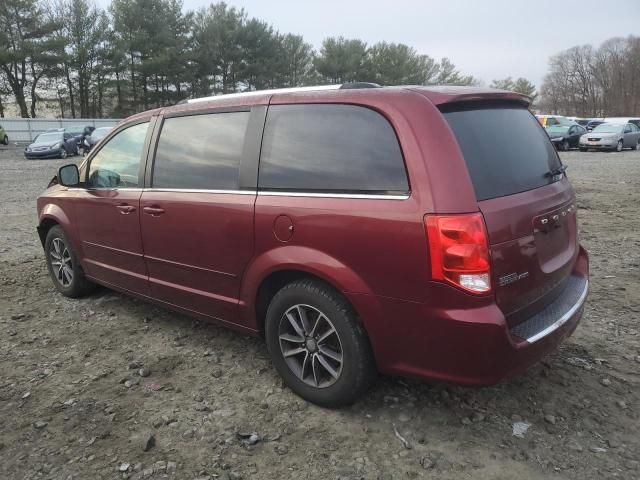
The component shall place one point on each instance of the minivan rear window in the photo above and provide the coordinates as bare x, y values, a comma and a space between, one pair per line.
504, 146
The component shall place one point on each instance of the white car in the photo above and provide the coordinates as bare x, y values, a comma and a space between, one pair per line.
611, 136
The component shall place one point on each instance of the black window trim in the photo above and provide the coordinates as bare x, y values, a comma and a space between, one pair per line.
151, 120
326, 193
248, 180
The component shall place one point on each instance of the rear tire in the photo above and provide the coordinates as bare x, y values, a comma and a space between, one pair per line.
317, 345
583, 149
62, 262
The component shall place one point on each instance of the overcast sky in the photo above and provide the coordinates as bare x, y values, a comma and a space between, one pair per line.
486, 38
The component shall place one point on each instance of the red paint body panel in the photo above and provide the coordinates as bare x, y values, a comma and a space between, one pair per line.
110, 237
197, 250
208, 253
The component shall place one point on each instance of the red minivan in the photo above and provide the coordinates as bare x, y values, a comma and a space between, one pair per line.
417, 231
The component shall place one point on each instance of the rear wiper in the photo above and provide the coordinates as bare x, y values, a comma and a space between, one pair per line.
556, 171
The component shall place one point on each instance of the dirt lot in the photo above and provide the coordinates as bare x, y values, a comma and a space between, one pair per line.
74, 405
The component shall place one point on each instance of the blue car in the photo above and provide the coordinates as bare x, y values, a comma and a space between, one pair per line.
52, 145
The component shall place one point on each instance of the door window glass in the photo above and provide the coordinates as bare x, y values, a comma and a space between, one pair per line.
117, 164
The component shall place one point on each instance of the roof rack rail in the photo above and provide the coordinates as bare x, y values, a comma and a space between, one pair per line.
266, 92
356, 85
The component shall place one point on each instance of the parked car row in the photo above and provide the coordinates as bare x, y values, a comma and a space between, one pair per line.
615, 134
62, 142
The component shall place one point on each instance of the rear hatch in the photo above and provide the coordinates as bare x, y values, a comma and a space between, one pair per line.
526, 200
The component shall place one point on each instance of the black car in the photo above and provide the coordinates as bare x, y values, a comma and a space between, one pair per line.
593, 124
565, 137
97, 135
80, 133
52, 145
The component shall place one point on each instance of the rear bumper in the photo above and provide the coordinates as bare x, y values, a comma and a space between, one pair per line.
472, 345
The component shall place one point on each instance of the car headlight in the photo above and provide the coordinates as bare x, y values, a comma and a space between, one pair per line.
57, 145
86, 142
557, 139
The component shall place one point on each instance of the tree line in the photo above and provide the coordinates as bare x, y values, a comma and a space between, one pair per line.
140, 54
594, 82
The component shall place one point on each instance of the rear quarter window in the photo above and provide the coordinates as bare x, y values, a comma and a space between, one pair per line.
505, 148
330, 148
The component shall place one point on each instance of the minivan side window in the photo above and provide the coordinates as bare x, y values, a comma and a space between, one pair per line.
201, 152
117, 163
330, 148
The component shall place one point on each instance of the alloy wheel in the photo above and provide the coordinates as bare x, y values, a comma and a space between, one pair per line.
311, 346
61, 263
619, 146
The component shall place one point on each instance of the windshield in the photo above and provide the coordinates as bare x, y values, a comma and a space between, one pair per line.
558, 129
505, 148
608, 128
74, 130
48, 138
99, 133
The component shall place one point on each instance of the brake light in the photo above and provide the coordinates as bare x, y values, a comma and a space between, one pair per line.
459, 251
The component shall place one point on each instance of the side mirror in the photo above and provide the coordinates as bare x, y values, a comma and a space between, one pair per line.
68, 175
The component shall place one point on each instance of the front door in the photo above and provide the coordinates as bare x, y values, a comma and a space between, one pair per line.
197, 217
108, 212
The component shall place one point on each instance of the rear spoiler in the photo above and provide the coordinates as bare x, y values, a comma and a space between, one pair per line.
440, 96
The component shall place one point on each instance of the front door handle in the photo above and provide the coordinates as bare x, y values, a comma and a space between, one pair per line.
125, 209
155, 211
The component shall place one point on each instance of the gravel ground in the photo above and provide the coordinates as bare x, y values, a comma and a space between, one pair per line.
111, 387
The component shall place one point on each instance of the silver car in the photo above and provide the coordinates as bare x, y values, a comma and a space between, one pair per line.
611, 136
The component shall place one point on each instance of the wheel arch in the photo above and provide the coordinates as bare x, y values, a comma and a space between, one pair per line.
51, 215
274, 269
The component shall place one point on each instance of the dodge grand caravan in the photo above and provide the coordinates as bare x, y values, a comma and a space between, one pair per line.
417, 231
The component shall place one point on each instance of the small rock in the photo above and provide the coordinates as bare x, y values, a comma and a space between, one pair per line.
18, 316
598, 449
606, 382
621, 403
158, 422
135, 365
281, 449
477, 417
40, 424
171, 467
198, 398
550, 419
249, 438
144, 372
124, 467
638, 358
189, 433
520, 428
427, 463
466, 421
148, 442
147, 472
26, 395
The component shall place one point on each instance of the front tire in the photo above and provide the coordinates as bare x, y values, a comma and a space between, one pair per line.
5, 140
63, 265
582, 149
63, 153
317, 345
565, 146
619, 146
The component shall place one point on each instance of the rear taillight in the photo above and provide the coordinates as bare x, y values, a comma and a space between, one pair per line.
459, 251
